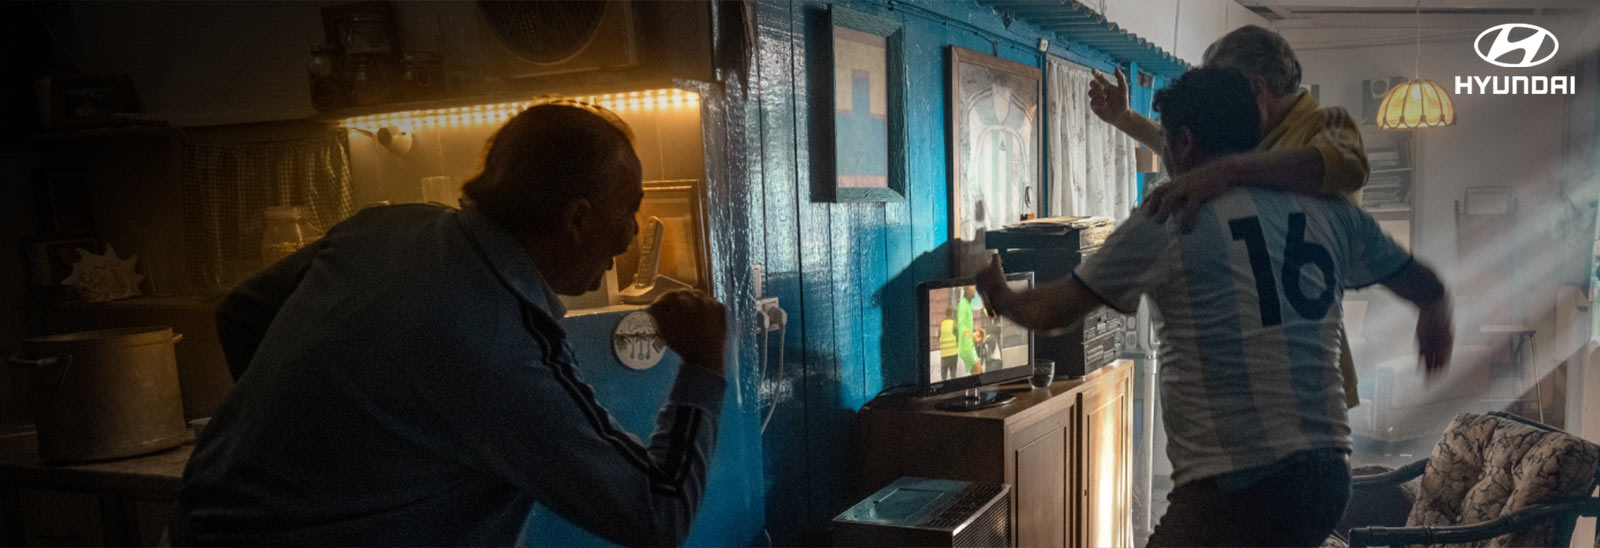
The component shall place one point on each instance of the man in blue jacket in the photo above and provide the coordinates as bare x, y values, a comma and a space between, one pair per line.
405, 380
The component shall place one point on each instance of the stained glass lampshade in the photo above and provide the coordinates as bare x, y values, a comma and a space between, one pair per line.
1414, 104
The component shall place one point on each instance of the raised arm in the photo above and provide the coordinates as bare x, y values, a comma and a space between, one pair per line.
1133, 260
1109, 101
1329, 162
1053, 305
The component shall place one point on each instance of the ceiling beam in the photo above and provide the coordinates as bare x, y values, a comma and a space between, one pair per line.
1435, 21
1307, 43
1276, 8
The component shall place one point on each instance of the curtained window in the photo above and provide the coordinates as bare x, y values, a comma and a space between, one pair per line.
227, 188
1092, 165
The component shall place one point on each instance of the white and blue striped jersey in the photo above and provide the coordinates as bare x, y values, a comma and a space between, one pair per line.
1250, 303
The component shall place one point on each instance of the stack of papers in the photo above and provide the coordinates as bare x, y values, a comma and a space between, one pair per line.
1059, 225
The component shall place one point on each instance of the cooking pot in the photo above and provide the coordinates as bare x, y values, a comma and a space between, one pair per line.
105, 394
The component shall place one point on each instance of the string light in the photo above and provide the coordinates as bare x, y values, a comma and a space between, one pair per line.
497, 113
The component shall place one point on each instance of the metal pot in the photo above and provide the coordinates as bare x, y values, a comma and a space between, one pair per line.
105, 394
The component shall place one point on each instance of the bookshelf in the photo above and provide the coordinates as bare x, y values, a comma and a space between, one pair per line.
1391, 192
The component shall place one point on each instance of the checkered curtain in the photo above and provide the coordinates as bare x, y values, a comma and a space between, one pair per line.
227, 187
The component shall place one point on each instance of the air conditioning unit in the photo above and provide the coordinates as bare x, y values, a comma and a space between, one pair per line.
928, 512
525, 39
567, 44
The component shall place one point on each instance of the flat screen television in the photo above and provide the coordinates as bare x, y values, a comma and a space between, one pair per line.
962, 347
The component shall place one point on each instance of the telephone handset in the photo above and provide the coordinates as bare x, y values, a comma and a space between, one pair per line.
648, 282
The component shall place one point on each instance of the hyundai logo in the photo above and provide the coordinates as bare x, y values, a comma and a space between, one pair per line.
1530, 46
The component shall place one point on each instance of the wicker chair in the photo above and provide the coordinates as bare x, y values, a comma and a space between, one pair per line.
1493, 480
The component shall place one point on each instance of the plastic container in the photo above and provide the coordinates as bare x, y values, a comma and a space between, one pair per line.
284, 232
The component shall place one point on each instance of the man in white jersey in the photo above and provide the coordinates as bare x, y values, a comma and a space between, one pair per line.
1251, 392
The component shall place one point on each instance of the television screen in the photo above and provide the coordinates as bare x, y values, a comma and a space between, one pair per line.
962, 346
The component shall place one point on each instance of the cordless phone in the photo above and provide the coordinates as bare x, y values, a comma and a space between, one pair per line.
647, 279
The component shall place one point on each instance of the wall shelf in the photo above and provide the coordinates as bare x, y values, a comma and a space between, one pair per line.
109, 132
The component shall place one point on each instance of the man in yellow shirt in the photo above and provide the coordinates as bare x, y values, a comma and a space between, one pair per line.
1305, 148
947, 347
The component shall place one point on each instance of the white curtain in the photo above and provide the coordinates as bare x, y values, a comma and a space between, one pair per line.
1092, 165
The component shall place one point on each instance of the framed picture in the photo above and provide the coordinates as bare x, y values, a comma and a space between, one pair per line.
868, 107
82, 101
51, 260
994, 143
683, 254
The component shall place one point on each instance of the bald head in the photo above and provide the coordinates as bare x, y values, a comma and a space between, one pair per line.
547, 157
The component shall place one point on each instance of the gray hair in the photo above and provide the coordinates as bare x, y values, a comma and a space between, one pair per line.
1258, 53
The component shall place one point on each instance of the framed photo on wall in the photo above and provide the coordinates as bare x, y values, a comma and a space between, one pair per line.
868, 107
994, 143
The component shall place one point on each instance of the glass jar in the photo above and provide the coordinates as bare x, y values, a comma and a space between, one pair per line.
283, 232
327, 81
420, 75
371, 80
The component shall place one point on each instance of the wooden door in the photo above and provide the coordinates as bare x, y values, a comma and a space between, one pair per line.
1106, 452
1041, 493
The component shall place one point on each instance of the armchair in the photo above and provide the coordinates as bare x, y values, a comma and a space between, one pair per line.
1493, 480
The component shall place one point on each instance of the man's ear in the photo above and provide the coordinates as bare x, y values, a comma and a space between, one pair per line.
1182, 145
1264, 97
574, 216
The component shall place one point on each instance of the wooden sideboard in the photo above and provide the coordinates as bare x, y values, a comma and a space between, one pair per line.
124, 502
1065, 449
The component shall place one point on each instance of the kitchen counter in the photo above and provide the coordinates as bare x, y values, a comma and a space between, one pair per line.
123, 502
153, 476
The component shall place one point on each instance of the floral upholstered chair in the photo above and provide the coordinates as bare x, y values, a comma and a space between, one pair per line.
1493, 480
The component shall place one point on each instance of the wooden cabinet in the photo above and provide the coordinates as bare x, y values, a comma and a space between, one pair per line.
1064, 449
1106, 439
109, 503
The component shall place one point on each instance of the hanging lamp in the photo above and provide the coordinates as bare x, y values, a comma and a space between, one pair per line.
1417, 103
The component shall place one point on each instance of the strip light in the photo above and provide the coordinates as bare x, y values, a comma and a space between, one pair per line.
498, 113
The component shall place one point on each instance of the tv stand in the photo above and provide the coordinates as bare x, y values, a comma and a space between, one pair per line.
1066, 450
974, 400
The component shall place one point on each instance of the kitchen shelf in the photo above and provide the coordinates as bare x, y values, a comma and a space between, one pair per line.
109, 132
503, 96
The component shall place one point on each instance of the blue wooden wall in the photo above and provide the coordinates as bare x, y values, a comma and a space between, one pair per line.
846, 272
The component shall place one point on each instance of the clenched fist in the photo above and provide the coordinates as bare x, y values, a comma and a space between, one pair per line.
694, 325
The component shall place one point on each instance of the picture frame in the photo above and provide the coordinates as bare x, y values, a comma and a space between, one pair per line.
994, 139
867, 105
79, 101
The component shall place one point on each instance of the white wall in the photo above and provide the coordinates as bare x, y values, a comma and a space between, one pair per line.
1181, 27
1506, 140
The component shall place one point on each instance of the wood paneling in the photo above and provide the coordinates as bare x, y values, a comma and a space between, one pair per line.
846, 273
1107, 449
1041, 493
